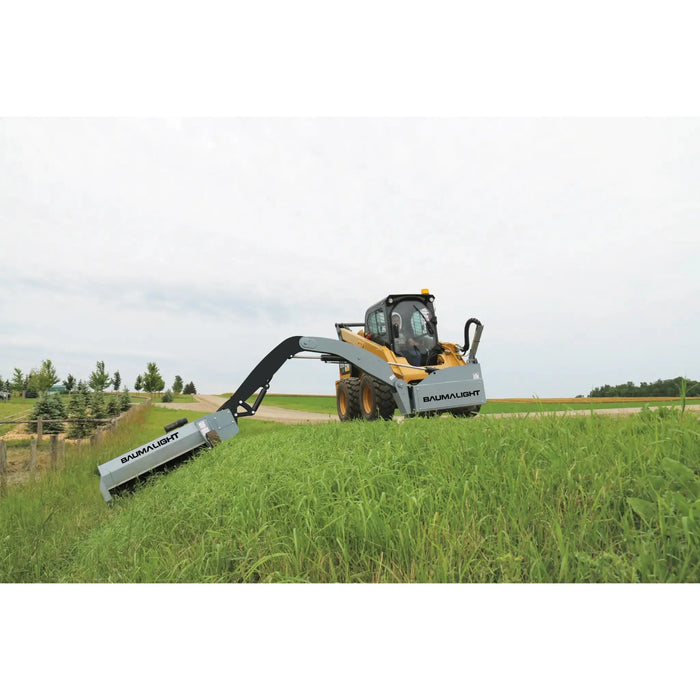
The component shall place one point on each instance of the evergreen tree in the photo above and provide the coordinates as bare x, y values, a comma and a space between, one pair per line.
77, 409
177, 384
124, 399
48, 407
189, 389
97, 405
138, 384
113, 406
116, 381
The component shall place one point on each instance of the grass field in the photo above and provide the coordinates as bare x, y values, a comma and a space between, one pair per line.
587, 499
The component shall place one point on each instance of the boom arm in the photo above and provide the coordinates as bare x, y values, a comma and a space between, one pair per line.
261, 376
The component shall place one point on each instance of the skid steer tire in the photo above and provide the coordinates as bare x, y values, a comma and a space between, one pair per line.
376, 399
347, 396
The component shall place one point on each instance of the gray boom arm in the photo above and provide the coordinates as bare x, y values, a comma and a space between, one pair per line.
258, 381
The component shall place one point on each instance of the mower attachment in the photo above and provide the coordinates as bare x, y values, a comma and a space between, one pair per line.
180, 440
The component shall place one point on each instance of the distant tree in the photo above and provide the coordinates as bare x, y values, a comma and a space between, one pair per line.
167, 397
177, 384
17, 382
113, 408
189, 389
31, 383
97, 405
77, 412
138, 384
116, 381
69, 383
99, 379
124, 399
152, 381
46, 376
661, 387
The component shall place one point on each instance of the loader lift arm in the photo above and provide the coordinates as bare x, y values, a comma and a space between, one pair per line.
258, 381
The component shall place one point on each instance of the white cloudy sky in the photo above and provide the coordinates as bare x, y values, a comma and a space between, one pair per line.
201, 243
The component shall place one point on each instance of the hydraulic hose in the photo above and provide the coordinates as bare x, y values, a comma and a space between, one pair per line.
467, 325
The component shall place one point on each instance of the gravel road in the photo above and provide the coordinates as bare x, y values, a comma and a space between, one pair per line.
207, 402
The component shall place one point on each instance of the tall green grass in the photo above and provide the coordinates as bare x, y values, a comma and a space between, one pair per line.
585, 499
42, 522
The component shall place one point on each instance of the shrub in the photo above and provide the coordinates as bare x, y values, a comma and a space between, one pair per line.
97, 405
124, 400
113, 406
167, 397
77, 411
48, 407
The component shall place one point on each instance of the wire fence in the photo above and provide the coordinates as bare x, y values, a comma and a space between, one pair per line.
27, 460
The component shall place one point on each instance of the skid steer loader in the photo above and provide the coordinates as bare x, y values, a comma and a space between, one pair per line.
401, 329
383, 367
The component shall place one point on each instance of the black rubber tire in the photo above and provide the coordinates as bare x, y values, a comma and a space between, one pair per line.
376, 399
347, 397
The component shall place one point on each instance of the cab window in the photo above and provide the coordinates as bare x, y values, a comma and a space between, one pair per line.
376, 326
414, 319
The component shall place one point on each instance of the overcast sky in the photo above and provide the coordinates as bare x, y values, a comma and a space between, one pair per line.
200, 244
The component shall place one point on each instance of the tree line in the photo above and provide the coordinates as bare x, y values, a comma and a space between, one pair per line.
36, 382
661, 387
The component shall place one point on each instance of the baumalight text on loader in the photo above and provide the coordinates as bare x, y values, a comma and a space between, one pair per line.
394, 361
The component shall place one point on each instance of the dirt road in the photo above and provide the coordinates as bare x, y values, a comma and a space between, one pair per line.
205, 402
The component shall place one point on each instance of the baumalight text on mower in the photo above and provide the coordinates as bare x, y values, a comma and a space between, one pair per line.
394, 361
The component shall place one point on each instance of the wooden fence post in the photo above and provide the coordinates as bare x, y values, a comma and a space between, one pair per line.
63, 451
3, 466
32, 455
54, 450
40, 429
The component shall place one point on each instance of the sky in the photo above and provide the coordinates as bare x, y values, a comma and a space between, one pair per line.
201, 243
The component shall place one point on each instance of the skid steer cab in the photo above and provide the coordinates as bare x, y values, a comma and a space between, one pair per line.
395, 362
402, 330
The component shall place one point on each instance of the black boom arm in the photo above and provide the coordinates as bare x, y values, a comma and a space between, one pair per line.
261, 376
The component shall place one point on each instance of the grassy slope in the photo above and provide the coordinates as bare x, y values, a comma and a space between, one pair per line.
581, 499
43, 522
